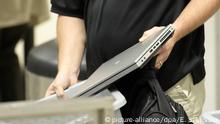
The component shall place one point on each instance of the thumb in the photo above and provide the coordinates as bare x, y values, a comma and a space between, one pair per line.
50, 91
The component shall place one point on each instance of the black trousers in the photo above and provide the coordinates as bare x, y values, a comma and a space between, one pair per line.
11, 77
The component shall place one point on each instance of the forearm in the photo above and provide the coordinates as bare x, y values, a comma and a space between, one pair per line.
71, 43
194, 14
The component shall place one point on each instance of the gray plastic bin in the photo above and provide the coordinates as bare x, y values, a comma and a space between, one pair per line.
118, 99
77, 111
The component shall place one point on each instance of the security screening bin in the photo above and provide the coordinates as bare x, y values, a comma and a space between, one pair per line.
42, 68
211, 117
75, 111
118, 100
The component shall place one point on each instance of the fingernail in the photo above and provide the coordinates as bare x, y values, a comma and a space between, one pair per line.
141, 39
66, 97
59, 95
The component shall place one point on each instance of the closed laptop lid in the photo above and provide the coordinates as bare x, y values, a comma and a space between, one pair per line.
130, 58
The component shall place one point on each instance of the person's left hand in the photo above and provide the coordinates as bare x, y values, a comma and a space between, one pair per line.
164, 51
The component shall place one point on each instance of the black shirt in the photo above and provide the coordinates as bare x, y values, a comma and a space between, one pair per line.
114, 25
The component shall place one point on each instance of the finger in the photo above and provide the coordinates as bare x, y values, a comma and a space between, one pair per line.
47, 94
50, 91
60, 92
157, 66
65, 97
160, 51
163, 48
143, 38
148, 33
161, 58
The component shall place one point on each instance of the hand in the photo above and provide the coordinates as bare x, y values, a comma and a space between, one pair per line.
164, 51
61, 82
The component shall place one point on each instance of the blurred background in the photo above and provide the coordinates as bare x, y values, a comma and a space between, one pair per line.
46, 31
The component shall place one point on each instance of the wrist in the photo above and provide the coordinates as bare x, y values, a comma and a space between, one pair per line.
177, 35
69, 72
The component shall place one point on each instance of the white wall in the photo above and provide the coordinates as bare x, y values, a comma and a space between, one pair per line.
210, 62
218, 59
43, 33
46, 31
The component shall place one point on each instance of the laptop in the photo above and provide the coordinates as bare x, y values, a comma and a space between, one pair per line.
122, 64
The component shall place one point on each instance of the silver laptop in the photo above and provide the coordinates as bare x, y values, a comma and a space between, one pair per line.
122, 64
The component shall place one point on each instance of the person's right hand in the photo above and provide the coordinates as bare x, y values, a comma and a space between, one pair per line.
61, 82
